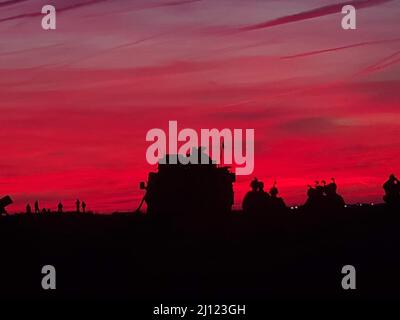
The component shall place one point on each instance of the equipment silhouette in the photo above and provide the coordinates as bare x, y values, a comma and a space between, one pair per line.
4, 202
178, 189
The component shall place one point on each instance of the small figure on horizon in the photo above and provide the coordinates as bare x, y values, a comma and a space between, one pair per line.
251, 199
277, 204
78, 206
254, 184
334, 200
320, 189
315, 200
83, 206
44, 211
256, 200
392, 191
28, 209
37, 209
264, 198
60, 207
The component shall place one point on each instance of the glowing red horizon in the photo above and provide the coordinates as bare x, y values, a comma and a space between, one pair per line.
77, 102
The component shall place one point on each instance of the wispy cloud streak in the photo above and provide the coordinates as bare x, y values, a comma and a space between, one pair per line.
88, 3
37, 14
315, 13
360, 44
382, 64
10, 3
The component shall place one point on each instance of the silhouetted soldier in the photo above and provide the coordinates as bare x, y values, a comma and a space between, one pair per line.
251, 199
333, 199
276, 203
83, 206
78, 206
392, 191
319, 190
154, 197
315, 200
256, 200
263, 198
311, 195
60, 207
37, 209
28, 209
254, 184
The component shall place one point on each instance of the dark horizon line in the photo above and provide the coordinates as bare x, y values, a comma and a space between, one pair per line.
291, 207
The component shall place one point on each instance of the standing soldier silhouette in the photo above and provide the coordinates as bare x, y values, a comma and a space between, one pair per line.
28, 209
37, 210
78, 206
277, 204
392, 190
83, 206
60, 207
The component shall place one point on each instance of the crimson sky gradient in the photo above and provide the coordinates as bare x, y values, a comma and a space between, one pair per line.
76, 103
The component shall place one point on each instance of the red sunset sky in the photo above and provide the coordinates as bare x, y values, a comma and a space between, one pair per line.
76, 103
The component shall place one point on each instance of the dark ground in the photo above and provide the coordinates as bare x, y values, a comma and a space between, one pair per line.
235, 258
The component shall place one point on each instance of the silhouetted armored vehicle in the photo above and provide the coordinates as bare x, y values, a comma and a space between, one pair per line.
179, 189
4, 202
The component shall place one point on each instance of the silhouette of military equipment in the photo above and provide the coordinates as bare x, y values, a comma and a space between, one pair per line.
4, 202
178, 189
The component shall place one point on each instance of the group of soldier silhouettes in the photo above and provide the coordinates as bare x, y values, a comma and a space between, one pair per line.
60, 207
324, 196
257, 199
321, 196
